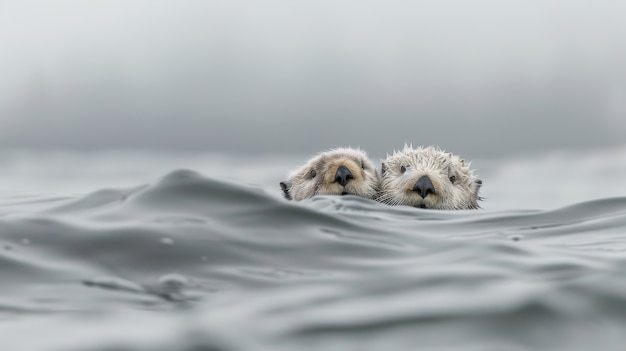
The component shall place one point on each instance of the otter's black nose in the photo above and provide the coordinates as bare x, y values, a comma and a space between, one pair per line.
424, 187
343, 175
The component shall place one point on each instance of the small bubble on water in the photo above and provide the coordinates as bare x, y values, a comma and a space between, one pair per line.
516, 237
8, 247
167, 241
173, 280
204, 258
25, 241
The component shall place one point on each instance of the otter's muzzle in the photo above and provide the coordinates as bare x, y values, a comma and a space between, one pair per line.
343, 175
424, 186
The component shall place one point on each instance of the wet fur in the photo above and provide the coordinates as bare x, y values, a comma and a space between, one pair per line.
302, 185
396, 186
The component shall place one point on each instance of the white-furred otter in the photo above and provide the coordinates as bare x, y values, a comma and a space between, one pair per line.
342, 171
428, 177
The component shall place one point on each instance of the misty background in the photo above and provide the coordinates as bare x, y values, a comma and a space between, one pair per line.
482, 78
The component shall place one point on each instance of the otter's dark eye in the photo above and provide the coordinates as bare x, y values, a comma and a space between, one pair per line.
452, 179
402, 169
313, 173
362, 164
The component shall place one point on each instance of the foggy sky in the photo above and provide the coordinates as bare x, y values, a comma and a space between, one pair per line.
482, 78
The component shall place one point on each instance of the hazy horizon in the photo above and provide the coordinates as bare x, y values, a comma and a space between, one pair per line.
485, 79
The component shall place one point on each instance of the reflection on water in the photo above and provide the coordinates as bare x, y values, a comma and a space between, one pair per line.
190, 262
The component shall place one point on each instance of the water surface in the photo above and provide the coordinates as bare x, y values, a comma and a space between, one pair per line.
195, 260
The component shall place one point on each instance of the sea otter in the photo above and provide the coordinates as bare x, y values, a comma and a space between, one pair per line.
342, 171
428, 177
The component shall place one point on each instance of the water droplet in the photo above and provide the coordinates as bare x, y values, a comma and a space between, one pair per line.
516, 237
167, 241
25, 241
173, 281
204, 258
8, 247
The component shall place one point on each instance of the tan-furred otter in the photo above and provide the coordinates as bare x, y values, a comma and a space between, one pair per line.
428, 177
342, 171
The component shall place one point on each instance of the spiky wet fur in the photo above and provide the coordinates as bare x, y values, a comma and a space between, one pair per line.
302, 185
396, 188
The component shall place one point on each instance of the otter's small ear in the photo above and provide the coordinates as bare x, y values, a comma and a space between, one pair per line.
285, 186
478, 183
383, 168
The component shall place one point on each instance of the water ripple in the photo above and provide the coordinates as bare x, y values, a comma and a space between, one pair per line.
216, 265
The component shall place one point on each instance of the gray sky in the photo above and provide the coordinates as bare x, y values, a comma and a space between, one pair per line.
481, 78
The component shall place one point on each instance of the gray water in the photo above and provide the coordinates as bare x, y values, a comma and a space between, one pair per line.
144, 251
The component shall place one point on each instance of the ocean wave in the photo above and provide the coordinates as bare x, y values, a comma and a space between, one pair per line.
196, 263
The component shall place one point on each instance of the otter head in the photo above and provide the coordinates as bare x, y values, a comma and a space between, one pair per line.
336, 172
428, 178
